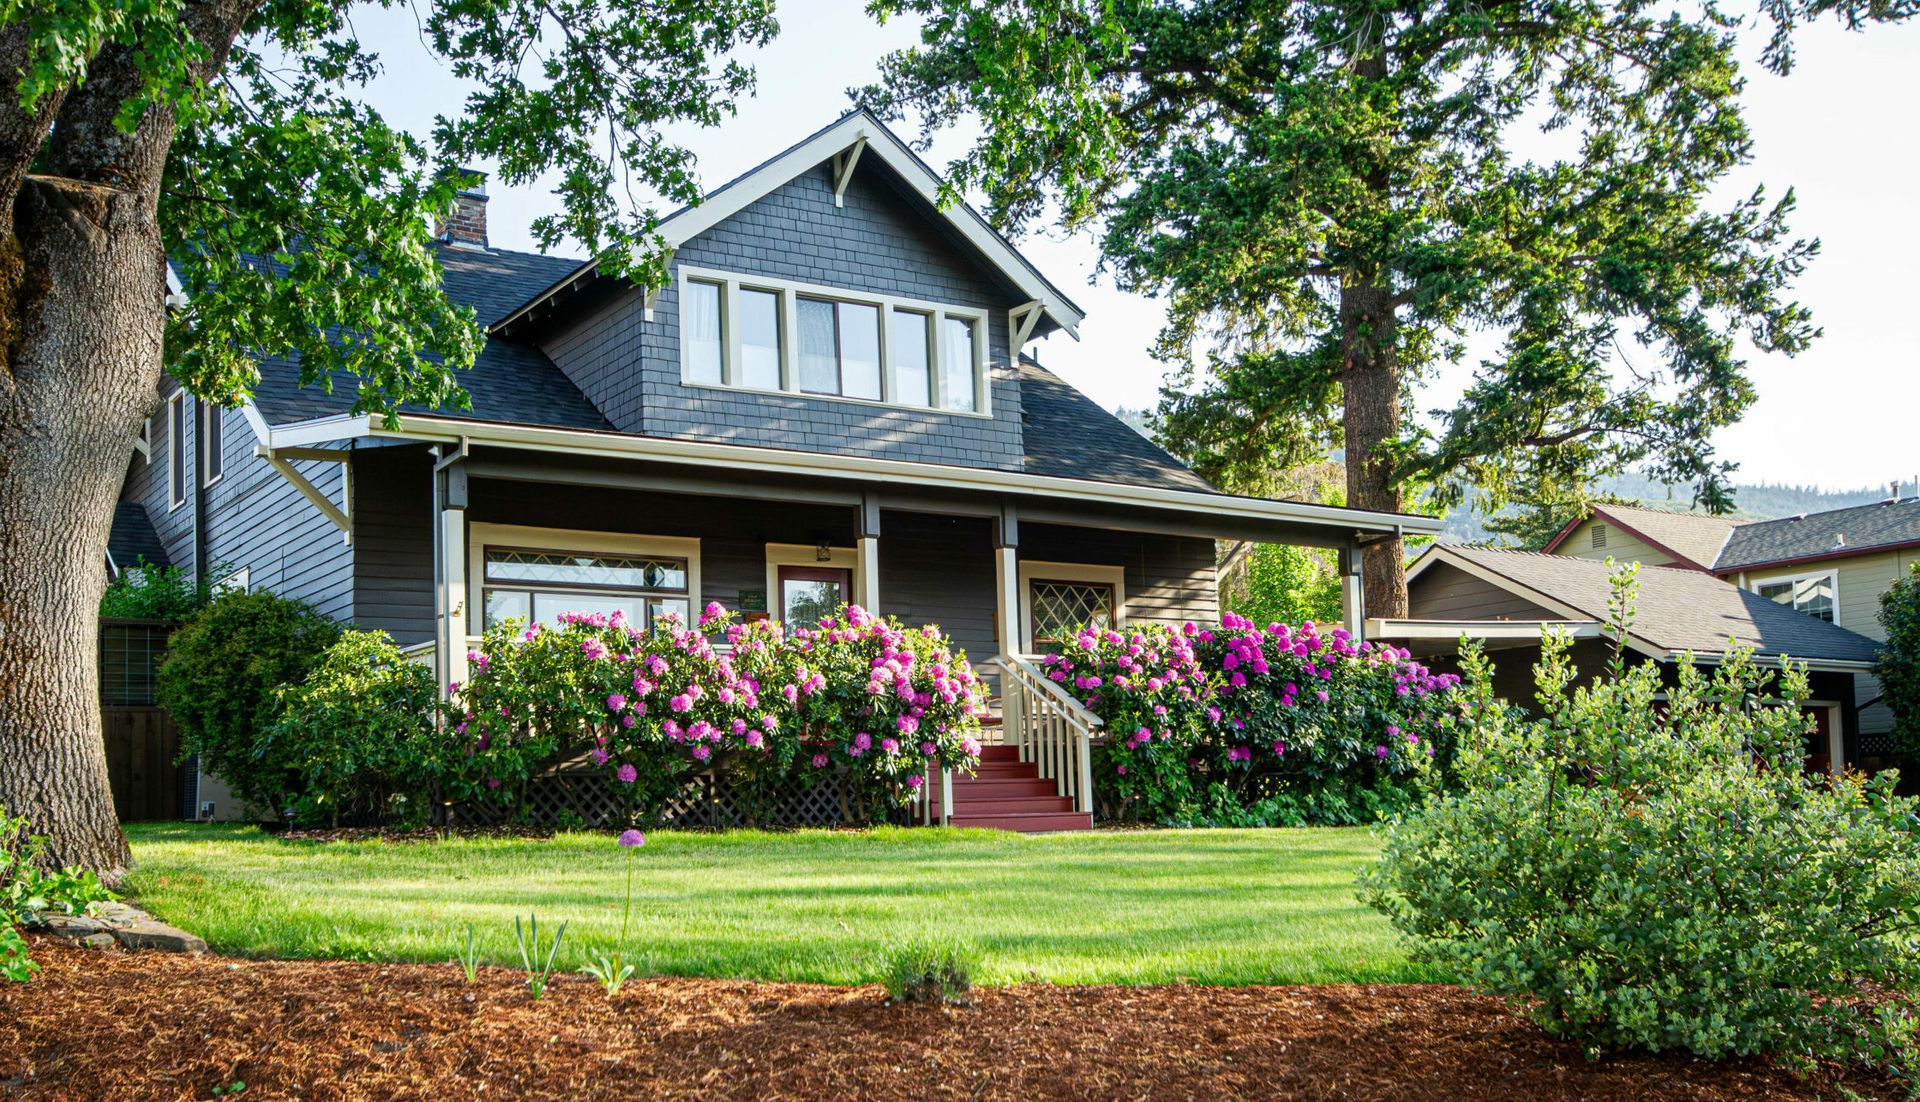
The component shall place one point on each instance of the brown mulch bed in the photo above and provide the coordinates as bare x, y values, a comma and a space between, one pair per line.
111, 1025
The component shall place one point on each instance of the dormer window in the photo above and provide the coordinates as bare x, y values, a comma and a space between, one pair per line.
750, 333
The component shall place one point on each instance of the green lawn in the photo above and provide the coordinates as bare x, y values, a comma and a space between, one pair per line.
1215, 906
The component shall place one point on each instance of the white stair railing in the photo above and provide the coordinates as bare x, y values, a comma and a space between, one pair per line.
1051, 728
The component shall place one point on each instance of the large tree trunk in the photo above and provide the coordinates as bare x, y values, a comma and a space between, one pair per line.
1370, 395
85, 286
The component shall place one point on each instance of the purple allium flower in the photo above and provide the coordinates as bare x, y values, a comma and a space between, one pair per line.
632, 839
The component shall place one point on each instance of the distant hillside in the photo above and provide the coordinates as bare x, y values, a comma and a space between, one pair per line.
1758, 501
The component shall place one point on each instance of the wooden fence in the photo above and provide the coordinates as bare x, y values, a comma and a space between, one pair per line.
143, 746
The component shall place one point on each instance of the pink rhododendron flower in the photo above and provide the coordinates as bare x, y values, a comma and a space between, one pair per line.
626, 774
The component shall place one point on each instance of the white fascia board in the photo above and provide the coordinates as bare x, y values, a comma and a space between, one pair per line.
780, 461
683, 226
1776, 661
1480, 629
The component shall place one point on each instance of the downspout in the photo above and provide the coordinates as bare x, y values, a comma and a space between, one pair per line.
196, 470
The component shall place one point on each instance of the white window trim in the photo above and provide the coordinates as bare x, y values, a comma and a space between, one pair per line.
212, 421
480, 536
806, 554
143, 443
1032, 570
789, 291
177, 445
1833, 582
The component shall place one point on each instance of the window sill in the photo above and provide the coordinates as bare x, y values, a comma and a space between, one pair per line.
872, 403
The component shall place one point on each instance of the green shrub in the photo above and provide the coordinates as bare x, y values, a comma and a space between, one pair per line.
28, 891
933, 970
148, 592
360, 734
1664, 874
1899, 666
1243, 725
220, 682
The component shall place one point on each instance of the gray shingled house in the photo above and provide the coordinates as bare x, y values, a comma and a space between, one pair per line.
831, 398
1507, 598
1832, 566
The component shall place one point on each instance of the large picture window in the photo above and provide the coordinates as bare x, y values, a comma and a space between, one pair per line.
774, 335
536, 586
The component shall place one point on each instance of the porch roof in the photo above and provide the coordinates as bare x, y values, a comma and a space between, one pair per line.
1043, 498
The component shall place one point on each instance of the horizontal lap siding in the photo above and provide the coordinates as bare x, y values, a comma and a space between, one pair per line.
1445, 592
1860, 581
1169, 579
1622, 546
393, 542
939, 570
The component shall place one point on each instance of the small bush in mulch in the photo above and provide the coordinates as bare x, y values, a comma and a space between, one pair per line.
174, 1028
929, 970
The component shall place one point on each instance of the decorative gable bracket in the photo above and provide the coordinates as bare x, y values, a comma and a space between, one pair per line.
843, 163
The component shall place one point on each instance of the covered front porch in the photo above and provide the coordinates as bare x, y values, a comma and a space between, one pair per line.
454, 536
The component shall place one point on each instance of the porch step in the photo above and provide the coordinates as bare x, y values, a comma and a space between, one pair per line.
1009, 794
967, 805
1026, 822
965, 789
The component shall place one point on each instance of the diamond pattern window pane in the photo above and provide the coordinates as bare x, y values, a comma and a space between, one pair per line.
1060, 607
560, 568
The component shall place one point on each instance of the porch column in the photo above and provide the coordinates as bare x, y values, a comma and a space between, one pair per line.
866, 584
450, 490
1008, 624
1353, 613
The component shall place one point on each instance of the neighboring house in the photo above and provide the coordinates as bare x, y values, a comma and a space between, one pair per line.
1833, 566
1652, 537
1507, 598
830, 399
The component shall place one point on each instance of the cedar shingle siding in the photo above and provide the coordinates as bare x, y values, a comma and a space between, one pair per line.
878, 243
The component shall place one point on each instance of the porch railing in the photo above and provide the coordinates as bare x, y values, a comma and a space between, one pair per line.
1050, 727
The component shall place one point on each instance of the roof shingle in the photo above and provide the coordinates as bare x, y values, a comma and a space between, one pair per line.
1819, 535
1678, 609
1693, 537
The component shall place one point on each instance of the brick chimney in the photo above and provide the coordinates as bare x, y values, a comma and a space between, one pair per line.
466, 227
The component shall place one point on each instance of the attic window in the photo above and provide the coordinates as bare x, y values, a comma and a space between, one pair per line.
1812, 594
1599, 536
750, 333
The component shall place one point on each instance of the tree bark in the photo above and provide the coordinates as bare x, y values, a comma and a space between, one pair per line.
85, 282
1370, 397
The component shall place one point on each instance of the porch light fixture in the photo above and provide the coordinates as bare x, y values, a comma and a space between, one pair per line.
823, 553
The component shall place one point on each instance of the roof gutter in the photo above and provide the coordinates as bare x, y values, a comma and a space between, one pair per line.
1777, 661
737, 457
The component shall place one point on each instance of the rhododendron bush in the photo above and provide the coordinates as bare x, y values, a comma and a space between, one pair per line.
856, 699
1243, 725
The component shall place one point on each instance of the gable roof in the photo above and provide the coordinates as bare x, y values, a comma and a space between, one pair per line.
1834, 534
855, 135
1692, 538
1678, 609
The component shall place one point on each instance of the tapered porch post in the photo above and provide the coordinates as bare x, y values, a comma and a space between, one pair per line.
1008, 622
450, 493
1353, 612
866, 585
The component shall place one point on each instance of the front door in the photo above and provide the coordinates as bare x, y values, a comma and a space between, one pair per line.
811, 593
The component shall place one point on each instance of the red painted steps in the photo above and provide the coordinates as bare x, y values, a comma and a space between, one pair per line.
1009, 794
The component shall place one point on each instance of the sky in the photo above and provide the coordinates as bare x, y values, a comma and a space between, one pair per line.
1840, 130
